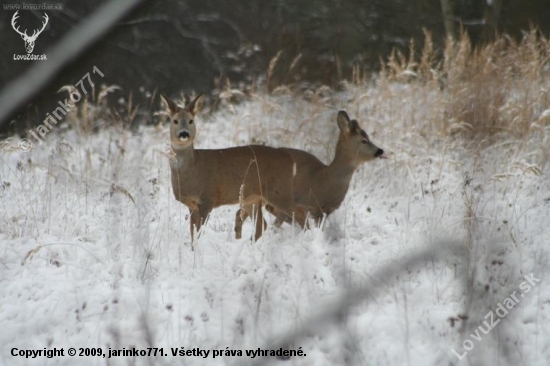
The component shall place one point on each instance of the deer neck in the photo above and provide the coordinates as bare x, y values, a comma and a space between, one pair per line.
335, 179
183, 158
344, 163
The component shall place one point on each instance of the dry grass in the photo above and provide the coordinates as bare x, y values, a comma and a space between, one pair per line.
487, 94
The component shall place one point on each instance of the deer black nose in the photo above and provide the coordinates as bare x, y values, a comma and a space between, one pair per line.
378, 152
184, 134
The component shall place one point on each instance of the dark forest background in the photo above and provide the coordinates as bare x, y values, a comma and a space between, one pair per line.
196, 45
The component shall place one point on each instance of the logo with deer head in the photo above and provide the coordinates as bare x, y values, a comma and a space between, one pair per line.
29, 40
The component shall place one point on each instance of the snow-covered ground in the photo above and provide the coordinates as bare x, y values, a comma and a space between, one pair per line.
95, 251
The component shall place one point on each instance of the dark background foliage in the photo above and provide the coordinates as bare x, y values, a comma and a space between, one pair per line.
180, 46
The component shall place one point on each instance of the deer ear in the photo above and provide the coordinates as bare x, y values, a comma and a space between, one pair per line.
196, 105
172, 107
344, 123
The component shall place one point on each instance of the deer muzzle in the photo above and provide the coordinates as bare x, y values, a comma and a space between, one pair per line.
183, 135
380, 154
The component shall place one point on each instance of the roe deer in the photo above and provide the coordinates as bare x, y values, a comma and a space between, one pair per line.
205, 179
320, 189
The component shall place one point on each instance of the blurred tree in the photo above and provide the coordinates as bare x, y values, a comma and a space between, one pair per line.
492, 18
447, 8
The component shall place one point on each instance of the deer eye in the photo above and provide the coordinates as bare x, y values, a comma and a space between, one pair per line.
176, 122
365, 141
190, 121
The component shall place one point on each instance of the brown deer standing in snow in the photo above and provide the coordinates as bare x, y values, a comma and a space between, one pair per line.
205, 179
319, 189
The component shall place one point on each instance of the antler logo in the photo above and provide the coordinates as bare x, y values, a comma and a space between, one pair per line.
29, 40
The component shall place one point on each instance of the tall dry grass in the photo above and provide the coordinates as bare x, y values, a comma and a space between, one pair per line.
490, 93
496, 92
480, 96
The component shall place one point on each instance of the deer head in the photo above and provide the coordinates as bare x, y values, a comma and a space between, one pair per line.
29, 40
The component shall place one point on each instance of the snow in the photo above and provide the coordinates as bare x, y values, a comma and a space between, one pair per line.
96, 250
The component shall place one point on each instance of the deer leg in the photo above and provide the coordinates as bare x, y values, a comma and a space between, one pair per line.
194, 224
280, 217
198, 218
299, 216
240, 217
318, 218
285, 211
254, 211
205, 208
260, 222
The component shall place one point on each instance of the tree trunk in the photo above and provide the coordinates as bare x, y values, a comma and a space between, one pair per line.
447, 8
492, 19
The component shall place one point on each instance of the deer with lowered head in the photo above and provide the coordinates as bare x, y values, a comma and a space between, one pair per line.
205, 179
319, 189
